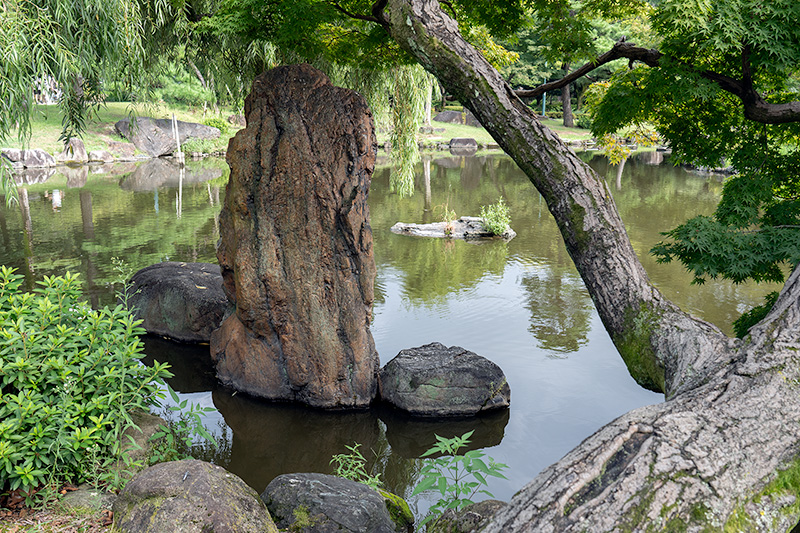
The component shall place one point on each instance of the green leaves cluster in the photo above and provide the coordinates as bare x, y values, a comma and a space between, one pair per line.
457, 478
69, 376
353, 466
496, 217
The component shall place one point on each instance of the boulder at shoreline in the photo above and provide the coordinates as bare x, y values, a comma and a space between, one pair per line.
434, 380
463, 228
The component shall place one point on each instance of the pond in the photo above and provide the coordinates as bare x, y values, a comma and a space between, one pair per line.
520, 303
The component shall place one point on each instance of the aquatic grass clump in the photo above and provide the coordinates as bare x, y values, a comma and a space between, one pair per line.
69, 378
496, 217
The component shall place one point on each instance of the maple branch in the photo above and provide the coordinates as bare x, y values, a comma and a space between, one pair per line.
356, 16
756, 108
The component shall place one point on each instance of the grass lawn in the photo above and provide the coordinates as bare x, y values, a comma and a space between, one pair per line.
46, 128
46, 125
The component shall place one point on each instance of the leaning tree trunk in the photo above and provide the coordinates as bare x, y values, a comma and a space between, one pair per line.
731, 419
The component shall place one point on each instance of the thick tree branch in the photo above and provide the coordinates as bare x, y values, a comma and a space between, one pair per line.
355, 16
621, 49
756, 108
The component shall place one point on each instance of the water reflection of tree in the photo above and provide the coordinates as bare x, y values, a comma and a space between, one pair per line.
560, 310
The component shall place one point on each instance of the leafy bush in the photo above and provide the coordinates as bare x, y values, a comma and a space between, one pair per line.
220, 124
496, 217
583, 120
458, 478
69, 377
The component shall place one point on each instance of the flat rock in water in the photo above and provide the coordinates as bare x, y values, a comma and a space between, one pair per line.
434, 380
321, 503
190, 496
181, 301
463, 146
463, 228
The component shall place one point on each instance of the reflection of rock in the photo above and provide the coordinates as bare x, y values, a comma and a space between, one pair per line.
74, 152
411, 436
331, 504
296, 245
190, 496
155, 173
28, 158
155, 137
463, 228
190, 363
434, 380
270, 439
181, 301
449, 162
76, 176
32, 176
463, 146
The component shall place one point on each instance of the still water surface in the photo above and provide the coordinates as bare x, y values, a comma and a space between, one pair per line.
521, 303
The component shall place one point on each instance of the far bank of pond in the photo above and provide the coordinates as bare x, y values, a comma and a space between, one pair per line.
521, 303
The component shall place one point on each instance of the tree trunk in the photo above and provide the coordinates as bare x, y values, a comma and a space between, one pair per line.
731, 419
566, 101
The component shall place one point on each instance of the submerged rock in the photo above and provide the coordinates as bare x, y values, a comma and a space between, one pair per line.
190, 496
463, 228
323, 503
296, 245
434, 380
181, 301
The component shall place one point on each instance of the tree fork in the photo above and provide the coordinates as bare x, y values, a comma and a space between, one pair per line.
731, 417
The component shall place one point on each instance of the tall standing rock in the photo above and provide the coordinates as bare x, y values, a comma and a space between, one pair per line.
296, 246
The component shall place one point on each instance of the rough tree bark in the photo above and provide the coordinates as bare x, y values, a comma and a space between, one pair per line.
731, 417
566, 101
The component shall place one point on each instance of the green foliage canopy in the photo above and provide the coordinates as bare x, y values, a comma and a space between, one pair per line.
721, 65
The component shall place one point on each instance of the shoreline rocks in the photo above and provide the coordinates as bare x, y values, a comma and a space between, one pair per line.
321, 502
180, 301
437, 381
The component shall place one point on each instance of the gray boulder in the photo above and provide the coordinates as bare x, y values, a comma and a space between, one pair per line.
155, 137
100, 156
319, 503
434, 380
450, 117
463, 146
35, 158
74, 152
181, 301
471, 519
122, 151
190, 497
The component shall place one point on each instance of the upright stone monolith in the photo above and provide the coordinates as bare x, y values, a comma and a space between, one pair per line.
296, 246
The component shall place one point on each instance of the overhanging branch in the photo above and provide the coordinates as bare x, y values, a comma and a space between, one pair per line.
756, 108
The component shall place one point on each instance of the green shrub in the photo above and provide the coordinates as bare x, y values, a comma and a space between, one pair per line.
583, 120
69, 377
458, 478
496, 217
220, 124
